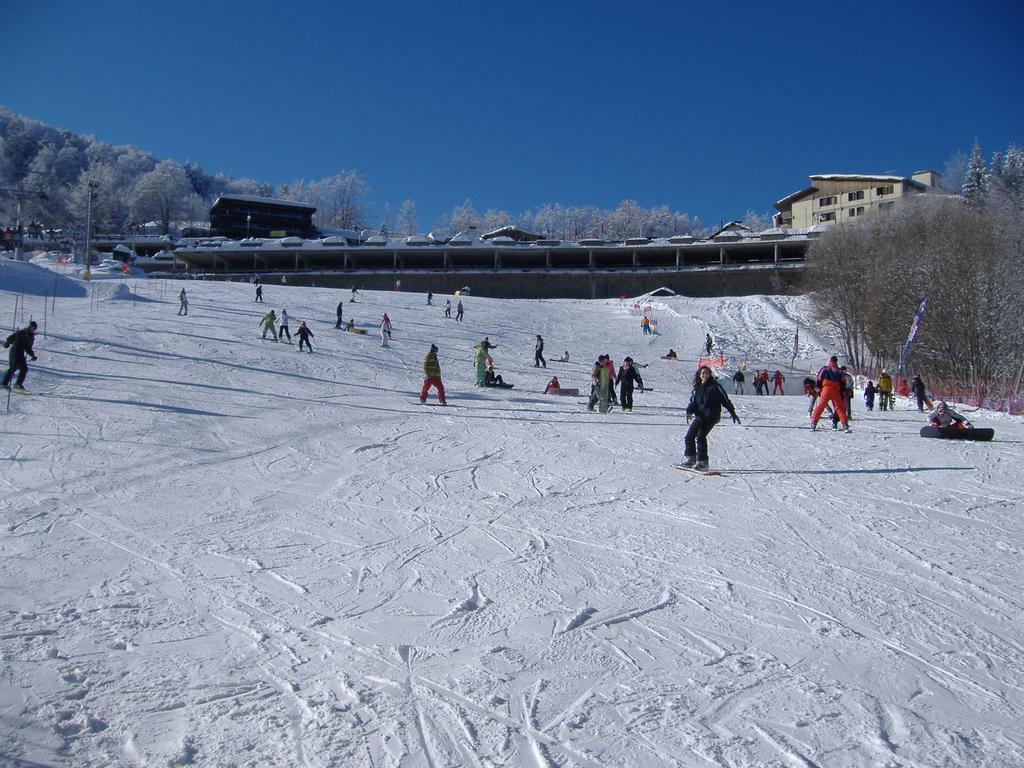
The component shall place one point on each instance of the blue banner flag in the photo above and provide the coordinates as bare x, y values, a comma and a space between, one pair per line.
915, 326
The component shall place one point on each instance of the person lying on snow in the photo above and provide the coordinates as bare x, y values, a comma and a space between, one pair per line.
944, 416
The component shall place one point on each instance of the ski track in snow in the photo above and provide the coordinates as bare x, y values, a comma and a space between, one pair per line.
220, 552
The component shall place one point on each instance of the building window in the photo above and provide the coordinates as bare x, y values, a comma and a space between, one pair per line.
823, 201
858, 211
827, 217
858, 195
886, 190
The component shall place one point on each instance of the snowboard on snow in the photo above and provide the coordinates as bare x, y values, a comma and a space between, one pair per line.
694, 470
983, 434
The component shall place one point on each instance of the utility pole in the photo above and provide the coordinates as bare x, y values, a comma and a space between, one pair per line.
86, 275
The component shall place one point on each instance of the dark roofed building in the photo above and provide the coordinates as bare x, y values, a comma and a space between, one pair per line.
241, 216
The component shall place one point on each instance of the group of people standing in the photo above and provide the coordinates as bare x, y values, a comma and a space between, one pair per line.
603, 380
761, 381
278, 329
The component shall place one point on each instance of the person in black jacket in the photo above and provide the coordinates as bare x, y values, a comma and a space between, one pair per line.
706, 403
20, 344
626, 376
538, 353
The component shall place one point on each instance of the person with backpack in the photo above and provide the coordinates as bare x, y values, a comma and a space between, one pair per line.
625, 378
432, 377
304, 335
269, 323
885, 387
707, 400
20, 344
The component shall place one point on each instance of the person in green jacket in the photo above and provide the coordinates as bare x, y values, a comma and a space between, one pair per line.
432, 376
270, 324
480, 362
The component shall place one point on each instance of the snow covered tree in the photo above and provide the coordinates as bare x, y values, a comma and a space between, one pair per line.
160, 195
974, 185
406, 223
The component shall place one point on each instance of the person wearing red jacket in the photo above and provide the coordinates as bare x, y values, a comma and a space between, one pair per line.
830, 384
777, 379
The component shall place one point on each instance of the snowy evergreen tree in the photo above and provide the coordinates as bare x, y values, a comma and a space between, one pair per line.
975, 178
406, 224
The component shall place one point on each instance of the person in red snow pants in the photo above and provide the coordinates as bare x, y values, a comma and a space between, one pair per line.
432, 376
830, 383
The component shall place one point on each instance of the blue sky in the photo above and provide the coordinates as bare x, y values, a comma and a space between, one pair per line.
711, 110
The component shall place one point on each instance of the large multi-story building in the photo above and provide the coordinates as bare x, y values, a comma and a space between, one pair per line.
839, 198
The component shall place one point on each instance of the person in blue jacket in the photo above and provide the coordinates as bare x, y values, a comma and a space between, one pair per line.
705, 407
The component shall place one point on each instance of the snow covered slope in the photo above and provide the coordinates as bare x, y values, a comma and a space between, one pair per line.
218, 551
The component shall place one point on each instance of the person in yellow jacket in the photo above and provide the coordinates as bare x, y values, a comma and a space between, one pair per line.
884, 388
432, 376
480, 363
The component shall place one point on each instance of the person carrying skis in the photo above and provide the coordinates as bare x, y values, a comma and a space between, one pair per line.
830, 384
269, 323
183, 303
283, 327
737, 382
538, 353
338, 311
705, 408
884, 391
778, 378
944, 416
625, 378
304, 335
432, 376
20, 344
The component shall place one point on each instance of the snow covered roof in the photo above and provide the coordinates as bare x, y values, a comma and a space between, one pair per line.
263, 201
788, 200
518, 235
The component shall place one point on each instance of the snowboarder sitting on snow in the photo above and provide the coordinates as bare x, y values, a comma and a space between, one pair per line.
705, 408
944, 416
670, 356
269, 322
553, 384
564, 358
304, 335
493, 380
20, 344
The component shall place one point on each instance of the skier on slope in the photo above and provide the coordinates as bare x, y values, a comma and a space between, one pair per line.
304, 335
338, 311
705, 407
20, 344
830, 384
183, 303
283, 327
269, 322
